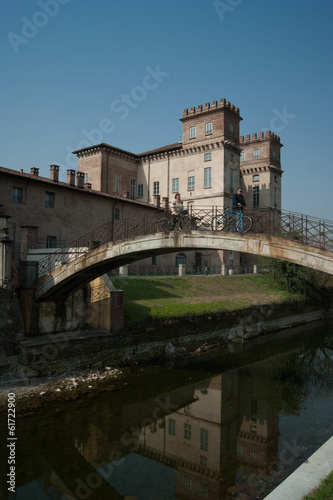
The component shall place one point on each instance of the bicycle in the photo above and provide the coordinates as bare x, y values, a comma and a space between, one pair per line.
170, 222
232, 219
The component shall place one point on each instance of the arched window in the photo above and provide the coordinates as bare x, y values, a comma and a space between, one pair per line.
180, 259
116, 214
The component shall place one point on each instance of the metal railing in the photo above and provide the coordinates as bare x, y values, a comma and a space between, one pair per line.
298, 227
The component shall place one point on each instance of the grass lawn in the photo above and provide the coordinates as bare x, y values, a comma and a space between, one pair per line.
173, 296
324, 490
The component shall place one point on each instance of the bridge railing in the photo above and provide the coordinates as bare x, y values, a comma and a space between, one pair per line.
294, 226
291, 225
114, 230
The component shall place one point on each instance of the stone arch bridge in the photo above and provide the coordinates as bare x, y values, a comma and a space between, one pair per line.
288, 236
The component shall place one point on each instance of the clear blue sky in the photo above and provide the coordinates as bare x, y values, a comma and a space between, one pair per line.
78, 72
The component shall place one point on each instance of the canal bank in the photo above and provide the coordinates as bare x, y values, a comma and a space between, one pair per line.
64, 364
308, 476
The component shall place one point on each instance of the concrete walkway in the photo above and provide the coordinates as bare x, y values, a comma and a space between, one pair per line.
308, 475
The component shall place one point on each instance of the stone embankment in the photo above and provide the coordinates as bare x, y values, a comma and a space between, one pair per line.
65, 365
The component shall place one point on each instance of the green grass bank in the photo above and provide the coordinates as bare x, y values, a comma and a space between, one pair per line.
167, 299
324, 490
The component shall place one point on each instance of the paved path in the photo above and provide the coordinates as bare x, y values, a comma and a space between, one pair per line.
308, 475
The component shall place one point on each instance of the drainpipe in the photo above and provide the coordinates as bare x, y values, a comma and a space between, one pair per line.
168, 178
148, 179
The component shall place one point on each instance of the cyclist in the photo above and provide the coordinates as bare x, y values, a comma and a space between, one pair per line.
238, 202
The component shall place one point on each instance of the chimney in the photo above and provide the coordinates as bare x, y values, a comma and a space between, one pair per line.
54, 173
34, 171
165, 202
126, 194
157, 200
80, 180
71, 177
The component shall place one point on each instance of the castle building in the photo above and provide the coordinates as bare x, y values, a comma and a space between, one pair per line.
206, 167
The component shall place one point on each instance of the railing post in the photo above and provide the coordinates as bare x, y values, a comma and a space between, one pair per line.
306, 229
181, 269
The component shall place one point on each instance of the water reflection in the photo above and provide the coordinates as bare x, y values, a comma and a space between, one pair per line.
234, 434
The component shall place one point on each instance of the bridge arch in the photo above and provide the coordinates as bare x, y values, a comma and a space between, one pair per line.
75, 274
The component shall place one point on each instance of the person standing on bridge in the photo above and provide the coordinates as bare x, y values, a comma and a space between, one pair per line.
238, 202
178, 206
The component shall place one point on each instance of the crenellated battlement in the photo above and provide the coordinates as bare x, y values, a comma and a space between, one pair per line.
262, 135
223, 103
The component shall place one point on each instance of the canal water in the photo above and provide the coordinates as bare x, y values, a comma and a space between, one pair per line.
224, 424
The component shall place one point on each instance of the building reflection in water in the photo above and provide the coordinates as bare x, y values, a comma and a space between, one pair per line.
225, 427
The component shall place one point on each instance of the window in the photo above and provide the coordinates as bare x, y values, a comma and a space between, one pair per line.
49, 200
117, 183
172, 427
154, 260
175, 185
51, 242
253, 429
256, 197
156, 188
85, 178
190, 183
140, 190
17, 195
203, 439
253, 453
187, 431
231, 157
231, 181
207, 156
180, 259
239, 449
231, 258
209, 128
256, 154
207, 177
193, 132
274, 155
187, 483
133, 189
275, 197
203, 460
255, 178
204, 490
116, 214
242, 157
231, 129
275, 178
